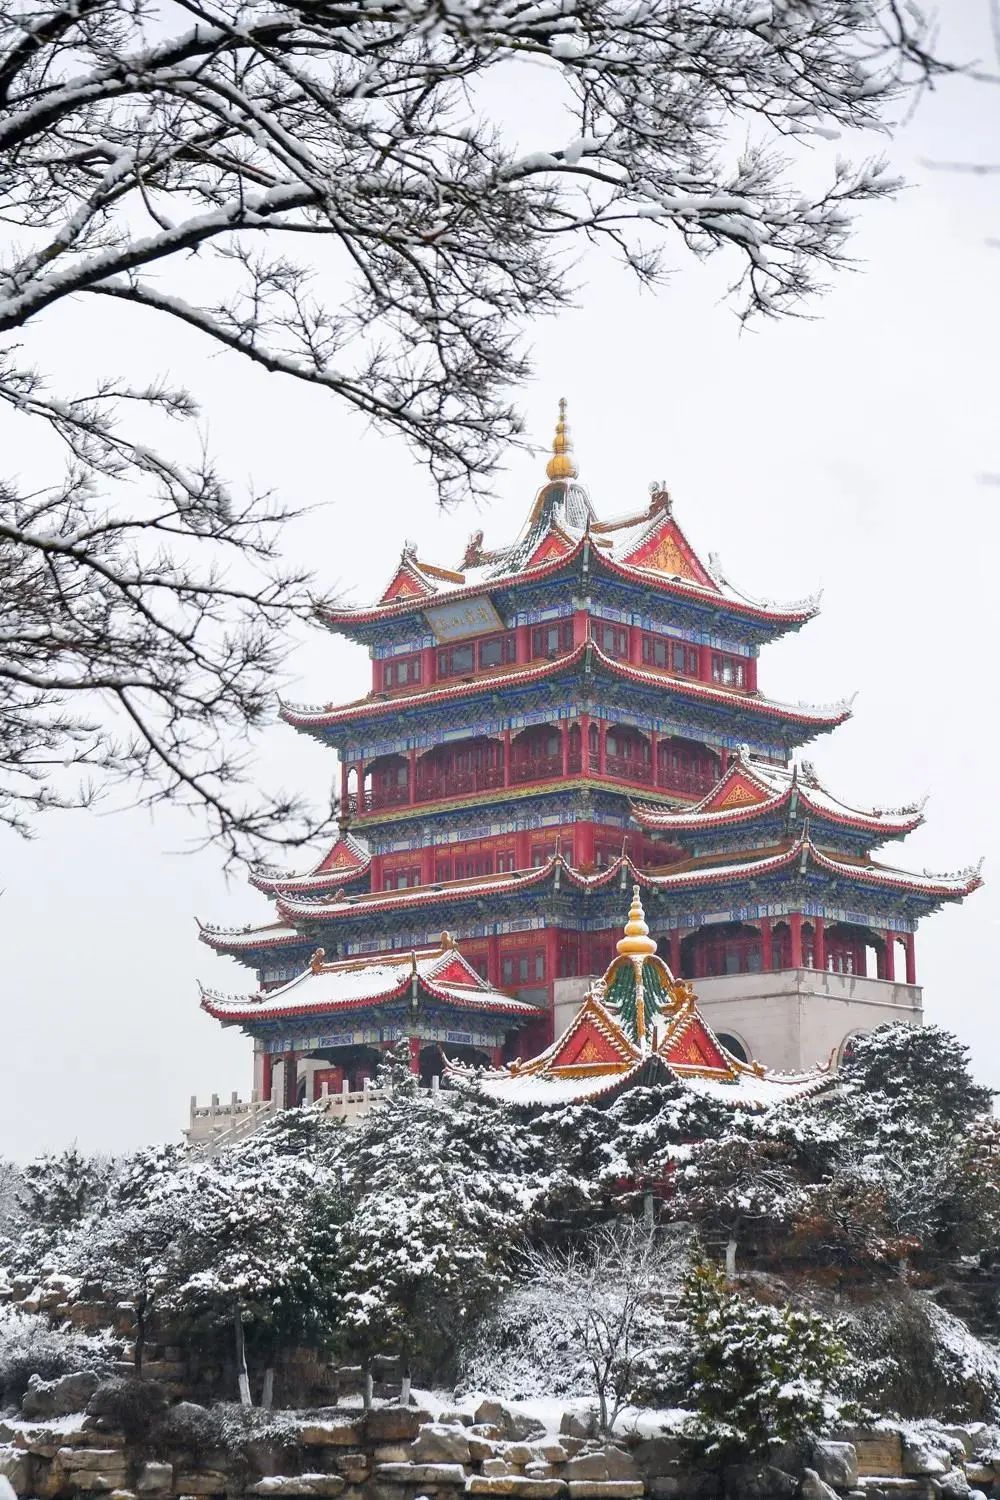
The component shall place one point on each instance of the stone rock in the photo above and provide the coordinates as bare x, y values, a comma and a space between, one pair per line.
154, 1478
980, 1474
954, 1485
539, 1469
579, 1424
15, 1467
58, 1398
451, 1417
552, 1451
92, 1458
621, 1465
438, 1443
301, 1484
836, 1464
327, 1434
518, 1454
394, 1424
201, 1482
811, 1487
605, 1489
391, 1453
653, 1455
664, 1486
494, 1466
920, 1459
591, 1466
93, 1480
879, 1453
513, 1425
481, 1449
431, 1474
759, 1482
516, 1485
486, 1430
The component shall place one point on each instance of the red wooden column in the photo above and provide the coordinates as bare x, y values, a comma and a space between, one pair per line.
911, 960
266, 1075
889, 963
635, 645
522, 640
795, 927
602, 749
723, 759
766, 948
360, 766
493, 960
565, 748
675, 952
412, 778
427, 673
819, 943
705, 663
580, 627
290, 1091
414, 1044
751, 674
522, 849
551, 957
345, 771
654, 745
506, 757
584, 838
427, 864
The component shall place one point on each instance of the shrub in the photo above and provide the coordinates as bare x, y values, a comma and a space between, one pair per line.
28, 1346
761, 1376
133, 1407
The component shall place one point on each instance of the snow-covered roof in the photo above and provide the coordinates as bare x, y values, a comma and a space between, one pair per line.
826, 716
269, 935
441, 974
348, 860
615, 1042
751, 789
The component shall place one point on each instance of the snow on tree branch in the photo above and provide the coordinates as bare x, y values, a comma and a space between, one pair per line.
374, 232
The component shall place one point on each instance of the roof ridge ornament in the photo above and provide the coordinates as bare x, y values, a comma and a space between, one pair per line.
637, 942
561, 465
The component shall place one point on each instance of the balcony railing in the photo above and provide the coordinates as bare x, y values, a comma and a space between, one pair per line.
691, 782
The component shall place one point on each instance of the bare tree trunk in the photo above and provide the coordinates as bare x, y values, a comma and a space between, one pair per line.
367, 1389
242, 1375
405, 1386
139, 1348
267, 1394
731, 1259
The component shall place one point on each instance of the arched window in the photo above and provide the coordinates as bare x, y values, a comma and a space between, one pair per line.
734, 1046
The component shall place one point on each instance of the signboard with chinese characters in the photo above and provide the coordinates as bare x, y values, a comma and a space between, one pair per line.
453, 622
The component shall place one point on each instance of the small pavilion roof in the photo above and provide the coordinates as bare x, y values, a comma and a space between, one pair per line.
380, 705
646, 547
441, 973
752, 790
636, 1025
347, 861
268, 935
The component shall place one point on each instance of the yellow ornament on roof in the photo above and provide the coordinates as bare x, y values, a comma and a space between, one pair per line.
561, 465
637, 942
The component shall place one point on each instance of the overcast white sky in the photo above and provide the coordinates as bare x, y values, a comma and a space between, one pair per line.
845, 452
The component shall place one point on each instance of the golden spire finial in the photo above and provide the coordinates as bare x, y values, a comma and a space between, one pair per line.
561, 465
637, 942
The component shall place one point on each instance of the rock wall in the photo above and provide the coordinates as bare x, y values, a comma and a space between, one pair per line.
396, 1453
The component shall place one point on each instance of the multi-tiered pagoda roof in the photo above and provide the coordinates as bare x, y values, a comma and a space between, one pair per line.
557, 718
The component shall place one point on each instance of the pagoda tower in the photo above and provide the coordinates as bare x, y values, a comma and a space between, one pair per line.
550, 723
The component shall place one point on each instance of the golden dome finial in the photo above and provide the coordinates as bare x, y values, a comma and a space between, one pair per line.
637, 942
561, 465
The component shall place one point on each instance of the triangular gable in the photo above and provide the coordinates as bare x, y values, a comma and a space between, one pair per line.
587, 1046
696, 1049
551, 546
343, 857
406, 584
668, 551
456, 971
736, 790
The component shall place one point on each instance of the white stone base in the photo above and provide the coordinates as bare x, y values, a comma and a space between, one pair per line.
790, 1020
796, 1018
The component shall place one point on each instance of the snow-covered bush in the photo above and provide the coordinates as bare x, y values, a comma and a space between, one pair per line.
30, 1346
592, 1317
910, 1357
761, 1375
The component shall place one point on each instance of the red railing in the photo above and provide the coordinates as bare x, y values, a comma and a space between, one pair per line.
546, 768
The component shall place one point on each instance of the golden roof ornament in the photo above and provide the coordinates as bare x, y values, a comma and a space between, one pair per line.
561, 465
637, 942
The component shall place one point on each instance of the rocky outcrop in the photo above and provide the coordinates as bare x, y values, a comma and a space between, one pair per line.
396, 1453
